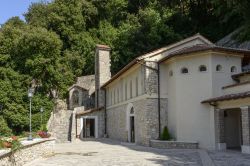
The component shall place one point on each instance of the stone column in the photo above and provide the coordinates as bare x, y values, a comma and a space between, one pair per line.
220, 129
245, 116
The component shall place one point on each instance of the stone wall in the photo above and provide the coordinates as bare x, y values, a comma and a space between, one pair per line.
173, 144
116, 123
219, 126
146, 120
151, 78
60, 122
27, 153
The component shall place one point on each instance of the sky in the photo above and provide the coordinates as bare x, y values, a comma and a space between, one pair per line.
11, 8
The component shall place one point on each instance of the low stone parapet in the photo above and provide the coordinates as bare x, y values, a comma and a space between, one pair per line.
173, 144
30, 150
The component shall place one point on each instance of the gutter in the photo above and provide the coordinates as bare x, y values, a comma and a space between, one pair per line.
105, 113
159, 100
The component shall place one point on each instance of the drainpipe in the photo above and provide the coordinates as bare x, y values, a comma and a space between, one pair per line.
105, 113
159, 100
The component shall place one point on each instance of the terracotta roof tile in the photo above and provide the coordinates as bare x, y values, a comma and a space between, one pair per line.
101, 46
199, 48
228, 97
89, 111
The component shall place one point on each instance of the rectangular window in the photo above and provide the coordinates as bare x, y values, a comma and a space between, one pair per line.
136, 84
114, 97
126, 91
118, 95
131, 89
122, 90
142, 79
111, 97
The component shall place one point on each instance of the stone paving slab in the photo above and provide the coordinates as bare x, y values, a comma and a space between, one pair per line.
107, 152
229, 158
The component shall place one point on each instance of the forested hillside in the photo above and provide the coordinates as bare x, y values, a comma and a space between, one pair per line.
56, 43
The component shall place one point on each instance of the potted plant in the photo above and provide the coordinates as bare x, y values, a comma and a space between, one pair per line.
43, 132
10, 142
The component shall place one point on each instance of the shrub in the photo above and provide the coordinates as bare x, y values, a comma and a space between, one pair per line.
44, 128
4, 129
165, 134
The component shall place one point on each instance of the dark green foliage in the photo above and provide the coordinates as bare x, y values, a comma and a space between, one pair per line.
165, 134
4, 129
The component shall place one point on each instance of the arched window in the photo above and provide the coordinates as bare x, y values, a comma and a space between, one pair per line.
132, 110
202, 68
218, 68
233, 69
75, 98
170, 73
184, 70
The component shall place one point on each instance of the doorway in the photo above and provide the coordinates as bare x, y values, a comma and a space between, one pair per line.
89, 127
233, 129
131, 124
132, 129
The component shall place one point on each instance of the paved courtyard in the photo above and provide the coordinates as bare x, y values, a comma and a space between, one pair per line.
107, 152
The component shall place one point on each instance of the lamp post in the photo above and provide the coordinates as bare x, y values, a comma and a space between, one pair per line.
30, 95
41, 110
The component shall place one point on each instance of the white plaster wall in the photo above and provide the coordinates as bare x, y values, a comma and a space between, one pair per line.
223, 78
189, 120
193, 118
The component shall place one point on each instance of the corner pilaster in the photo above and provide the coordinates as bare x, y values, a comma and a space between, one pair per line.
245, 116
220, 129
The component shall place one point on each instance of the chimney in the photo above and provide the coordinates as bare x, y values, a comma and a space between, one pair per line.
102, 72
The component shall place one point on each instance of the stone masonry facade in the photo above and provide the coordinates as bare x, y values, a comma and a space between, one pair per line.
219, 126
145, 110
146, 120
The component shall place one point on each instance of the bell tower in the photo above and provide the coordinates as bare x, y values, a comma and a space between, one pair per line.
102, 72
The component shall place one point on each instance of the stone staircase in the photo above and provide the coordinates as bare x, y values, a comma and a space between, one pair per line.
59, 124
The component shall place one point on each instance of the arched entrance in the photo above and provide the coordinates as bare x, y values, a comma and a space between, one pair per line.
131, 123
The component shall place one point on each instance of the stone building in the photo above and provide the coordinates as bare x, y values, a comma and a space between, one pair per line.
194, 87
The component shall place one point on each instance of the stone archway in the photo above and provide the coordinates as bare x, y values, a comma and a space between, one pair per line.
131, 123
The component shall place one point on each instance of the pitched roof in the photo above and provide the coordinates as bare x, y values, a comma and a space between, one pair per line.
237, 84
104, 47
228, 97
84, 82
199, 48
236, 76
89, 111
229, 41
156, 52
